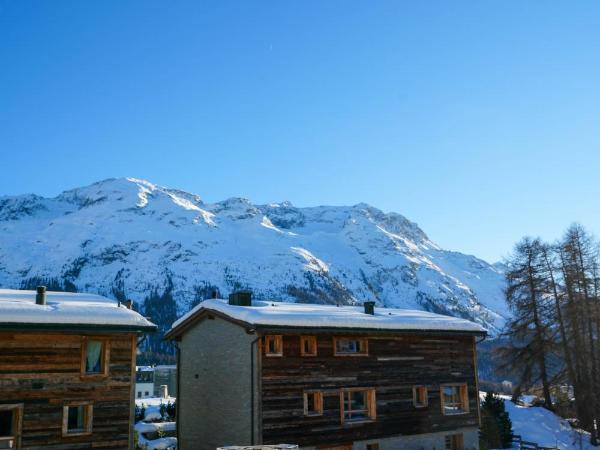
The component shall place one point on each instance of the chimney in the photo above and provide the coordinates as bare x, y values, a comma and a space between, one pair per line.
241, 298
128, 304
40, 297
369, 308
164, 391
214, 294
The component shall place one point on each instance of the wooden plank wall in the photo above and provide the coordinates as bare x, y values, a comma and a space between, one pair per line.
394, 365
43, 372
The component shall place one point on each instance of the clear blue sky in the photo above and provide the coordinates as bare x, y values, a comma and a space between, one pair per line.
479, 120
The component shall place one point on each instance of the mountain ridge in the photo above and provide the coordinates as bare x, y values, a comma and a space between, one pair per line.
128, 237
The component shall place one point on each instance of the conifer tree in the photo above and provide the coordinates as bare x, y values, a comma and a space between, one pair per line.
496, 426
530, 331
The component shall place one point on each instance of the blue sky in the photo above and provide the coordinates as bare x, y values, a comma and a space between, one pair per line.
478, 120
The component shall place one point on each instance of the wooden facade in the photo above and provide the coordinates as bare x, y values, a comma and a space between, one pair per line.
391, 367
42, 372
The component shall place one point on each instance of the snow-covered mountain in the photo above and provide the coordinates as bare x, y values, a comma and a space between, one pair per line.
131, 238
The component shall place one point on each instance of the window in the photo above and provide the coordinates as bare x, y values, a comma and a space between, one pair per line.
77, 419
455, 399
139, 394
10, 425
372, 446
308, 345
273, 345
357, 405
420, 398
350, 346
144, 376
94, 357
146, 394
313, 403
454, 442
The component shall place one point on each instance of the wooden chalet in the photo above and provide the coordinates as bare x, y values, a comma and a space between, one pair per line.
67, 370
325, 377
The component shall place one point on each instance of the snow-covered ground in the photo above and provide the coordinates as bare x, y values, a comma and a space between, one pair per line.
152, 426
537, 424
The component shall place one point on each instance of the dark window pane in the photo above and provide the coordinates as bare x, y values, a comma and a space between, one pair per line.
310, 400
76, 420
6, 423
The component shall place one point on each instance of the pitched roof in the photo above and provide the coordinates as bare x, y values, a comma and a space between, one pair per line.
275, 314
66, 310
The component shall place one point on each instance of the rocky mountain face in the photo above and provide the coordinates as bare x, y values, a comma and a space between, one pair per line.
166, 249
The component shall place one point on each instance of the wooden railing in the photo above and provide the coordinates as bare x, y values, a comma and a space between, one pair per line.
527, 445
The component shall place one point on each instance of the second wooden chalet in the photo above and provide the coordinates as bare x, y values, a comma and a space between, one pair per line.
67, 370
325, 377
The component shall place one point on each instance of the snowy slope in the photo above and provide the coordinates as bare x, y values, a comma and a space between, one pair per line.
537, 424
129, 237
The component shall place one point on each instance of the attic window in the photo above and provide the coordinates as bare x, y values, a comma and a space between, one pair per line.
274, 345
308, 345
420, 399
350, 346
94, 357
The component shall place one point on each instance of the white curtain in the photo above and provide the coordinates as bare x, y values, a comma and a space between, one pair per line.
93, 355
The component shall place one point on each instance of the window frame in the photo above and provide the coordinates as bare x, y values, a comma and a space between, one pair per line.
318, 403
451, 444
371, 411
416, 402
278, 339
312, 340
105, 357
363, 346
88, 418
17, 424
463, 395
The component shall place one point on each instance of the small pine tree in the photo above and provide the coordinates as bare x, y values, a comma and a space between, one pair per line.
172, 410
496, 426
140, 413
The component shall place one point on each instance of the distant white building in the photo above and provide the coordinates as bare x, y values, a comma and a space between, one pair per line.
144, 381
149, 381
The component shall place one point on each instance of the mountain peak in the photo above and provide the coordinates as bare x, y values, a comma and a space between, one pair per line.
128, 237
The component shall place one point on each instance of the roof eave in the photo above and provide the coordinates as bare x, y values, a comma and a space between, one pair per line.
175, 333
12, 326
360, 330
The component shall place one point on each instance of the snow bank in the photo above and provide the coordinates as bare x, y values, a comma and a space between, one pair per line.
314, 316
165, 443
19, 307
537, 424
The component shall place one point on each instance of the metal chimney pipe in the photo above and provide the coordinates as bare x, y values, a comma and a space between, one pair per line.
40, 297
241, 298
369, 308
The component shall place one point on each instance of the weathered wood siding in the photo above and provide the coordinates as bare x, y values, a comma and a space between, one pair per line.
43, 372
394, 365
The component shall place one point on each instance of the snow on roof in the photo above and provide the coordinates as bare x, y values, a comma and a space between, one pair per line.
68, 309
266, 313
